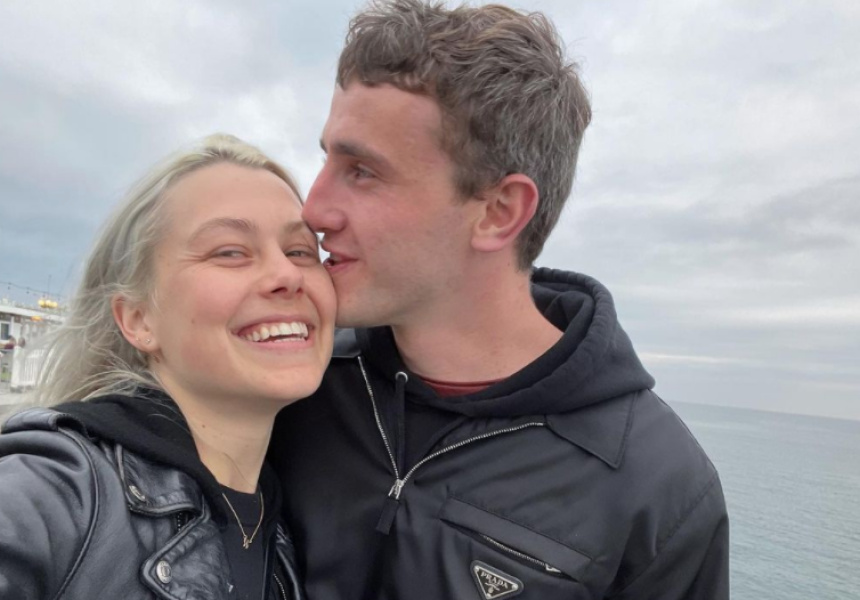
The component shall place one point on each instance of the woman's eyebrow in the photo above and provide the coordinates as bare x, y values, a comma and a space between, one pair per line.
297, 226
240, 225
245, 226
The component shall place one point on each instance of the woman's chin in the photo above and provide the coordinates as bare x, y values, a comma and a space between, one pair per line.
294, 386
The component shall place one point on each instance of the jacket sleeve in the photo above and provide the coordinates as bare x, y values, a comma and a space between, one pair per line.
693, 562
48, 500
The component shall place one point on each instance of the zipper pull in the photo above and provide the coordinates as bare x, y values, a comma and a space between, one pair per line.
389, 509
396, 489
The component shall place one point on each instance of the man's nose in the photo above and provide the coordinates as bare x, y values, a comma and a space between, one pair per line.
321, 210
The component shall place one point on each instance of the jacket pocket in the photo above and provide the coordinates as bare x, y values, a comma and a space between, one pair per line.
516, 541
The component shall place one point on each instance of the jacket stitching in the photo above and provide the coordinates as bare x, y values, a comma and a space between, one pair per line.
73, 570
518, 524
143, 508
148, 565
682, 520
628, 426
686, 428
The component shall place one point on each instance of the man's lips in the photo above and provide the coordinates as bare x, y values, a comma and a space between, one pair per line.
337, 262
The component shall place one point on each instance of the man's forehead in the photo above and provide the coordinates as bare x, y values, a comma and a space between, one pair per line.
383, 103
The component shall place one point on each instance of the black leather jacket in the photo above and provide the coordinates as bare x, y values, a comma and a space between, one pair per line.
81, 518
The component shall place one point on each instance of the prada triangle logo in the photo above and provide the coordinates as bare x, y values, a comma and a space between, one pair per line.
494, 584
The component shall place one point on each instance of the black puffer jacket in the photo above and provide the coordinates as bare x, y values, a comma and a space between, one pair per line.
570, 479
82, 516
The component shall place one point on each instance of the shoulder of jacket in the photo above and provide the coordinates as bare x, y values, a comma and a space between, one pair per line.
49, 458
56, 438
641, 435
667, 469
42, 419
659, 434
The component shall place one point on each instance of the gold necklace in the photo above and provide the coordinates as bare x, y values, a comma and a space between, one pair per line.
246, 541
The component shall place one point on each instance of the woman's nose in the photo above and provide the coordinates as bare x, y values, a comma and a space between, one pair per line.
283, 276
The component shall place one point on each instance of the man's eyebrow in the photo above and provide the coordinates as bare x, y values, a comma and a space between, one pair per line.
356, 150
240, 225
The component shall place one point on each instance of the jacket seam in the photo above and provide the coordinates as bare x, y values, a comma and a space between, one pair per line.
147, 566
517, 523
619, 456
144, 508
686, 428
682, 520
73, 570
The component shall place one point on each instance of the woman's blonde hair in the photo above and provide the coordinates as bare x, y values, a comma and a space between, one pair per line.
88, 355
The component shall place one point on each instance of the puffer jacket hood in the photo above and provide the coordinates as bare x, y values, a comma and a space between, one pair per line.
594, 360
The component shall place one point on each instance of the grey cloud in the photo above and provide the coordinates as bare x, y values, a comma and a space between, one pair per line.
716, 194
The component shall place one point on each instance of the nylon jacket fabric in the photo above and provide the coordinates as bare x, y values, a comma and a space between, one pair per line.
570, 479
87, 518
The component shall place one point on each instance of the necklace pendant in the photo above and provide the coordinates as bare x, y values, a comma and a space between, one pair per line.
246, 543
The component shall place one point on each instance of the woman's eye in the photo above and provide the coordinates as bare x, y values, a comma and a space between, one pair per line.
303, 253
229, 253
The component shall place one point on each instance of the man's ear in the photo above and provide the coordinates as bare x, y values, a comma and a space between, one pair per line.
130, 317
507, 209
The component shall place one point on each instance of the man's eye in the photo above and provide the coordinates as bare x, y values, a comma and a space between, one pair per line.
362, 173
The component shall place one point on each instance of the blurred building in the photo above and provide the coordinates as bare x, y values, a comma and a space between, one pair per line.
23, 329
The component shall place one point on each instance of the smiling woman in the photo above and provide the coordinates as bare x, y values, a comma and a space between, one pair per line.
204, 310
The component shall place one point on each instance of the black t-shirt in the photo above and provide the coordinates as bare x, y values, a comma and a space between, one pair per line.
248, 566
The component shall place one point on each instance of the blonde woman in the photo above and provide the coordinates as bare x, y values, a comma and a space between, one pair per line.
204, 309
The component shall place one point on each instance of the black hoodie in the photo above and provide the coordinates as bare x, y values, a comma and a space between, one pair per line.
593, 361
569, 479
151, 425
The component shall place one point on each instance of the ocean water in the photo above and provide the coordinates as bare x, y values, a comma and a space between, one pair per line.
792, 486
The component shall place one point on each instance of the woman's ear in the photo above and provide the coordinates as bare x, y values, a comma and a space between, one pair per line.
507, 208
130, 317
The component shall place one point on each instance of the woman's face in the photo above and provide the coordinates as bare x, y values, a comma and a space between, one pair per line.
243, 307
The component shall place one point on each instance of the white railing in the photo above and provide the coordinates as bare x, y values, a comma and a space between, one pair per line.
26, 365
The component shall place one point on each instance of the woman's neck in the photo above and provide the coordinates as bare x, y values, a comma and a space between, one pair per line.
234, 454
230, 435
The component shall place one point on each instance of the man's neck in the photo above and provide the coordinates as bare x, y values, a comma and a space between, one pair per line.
487, 334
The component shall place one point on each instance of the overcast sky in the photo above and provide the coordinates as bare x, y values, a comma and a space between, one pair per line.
718, 194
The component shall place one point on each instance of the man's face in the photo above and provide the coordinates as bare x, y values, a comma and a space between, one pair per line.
396, 230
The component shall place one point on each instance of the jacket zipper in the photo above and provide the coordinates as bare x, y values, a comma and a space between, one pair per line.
388, 513
182, 519
546, 566
280, 587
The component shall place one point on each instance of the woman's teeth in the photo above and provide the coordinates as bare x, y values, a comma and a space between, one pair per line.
278, 332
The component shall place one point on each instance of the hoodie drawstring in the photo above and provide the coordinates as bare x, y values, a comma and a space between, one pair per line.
400, 381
